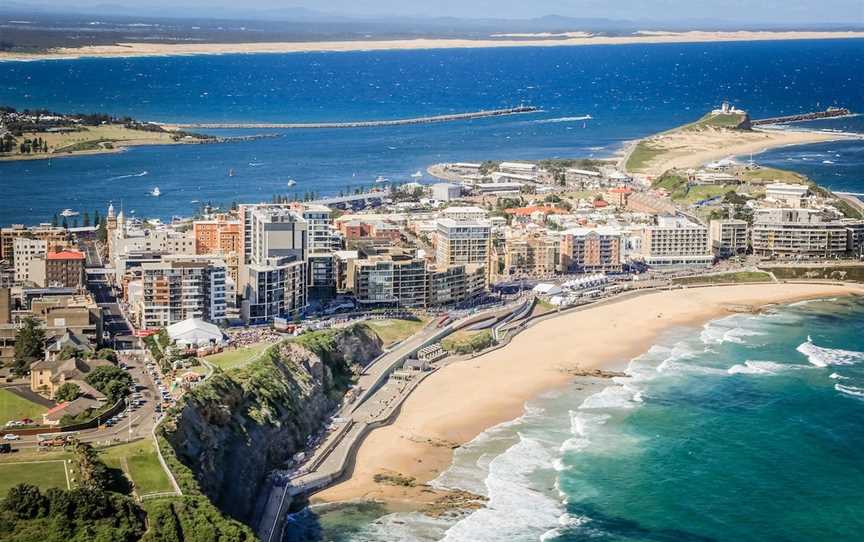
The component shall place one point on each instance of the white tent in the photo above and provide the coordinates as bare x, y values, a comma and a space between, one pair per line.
195, 332
547, 288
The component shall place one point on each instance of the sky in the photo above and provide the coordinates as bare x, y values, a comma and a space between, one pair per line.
761, 11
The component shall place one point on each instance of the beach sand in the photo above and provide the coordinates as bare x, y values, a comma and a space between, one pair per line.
463, 399
575, 39
684, 149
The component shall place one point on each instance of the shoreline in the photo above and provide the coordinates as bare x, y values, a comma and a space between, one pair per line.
713, 145
125, 50
448, 409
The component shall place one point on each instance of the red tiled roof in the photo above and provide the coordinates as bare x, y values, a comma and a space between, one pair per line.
527, 211
600, 203
66, 255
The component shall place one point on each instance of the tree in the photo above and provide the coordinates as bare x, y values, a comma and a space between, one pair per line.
112, 381
67, 392
102, 232
25, 502
93, 474
29, 345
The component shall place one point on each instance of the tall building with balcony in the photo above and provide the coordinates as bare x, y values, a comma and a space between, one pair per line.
729, 237
222, 237
182, 287
592, 250
25, 250
54, 237
394, 278
794, 233
462, 243
531, 254
276, 249
675, 241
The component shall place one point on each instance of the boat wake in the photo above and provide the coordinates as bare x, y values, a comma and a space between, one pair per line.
564, 119
142, 174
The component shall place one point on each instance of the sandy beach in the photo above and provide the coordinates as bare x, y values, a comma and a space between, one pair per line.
691, 149
569, 39
460, 401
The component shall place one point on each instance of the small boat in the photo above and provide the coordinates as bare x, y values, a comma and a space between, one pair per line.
231, 172
291, 182
417, 174
381, 179
156, 192
68, 212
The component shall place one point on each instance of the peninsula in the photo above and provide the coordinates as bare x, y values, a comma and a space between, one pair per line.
131, 49
35, 135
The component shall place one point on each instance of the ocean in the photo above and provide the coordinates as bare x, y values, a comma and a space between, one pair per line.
749, 428
743, 430
629, 91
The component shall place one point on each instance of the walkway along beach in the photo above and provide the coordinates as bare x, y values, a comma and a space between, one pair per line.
461, 400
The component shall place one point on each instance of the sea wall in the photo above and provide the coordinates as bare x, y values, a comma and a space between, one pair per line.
232, 431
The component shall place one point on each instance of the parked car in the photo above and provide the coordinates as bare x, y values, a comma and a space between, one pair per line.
10, 436
5, 448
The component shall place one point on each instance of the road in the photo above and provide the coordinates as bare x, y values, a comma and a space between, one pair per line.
114, 321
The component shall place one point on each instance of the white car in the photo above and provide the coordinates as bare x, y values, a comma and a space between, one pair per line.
10, 436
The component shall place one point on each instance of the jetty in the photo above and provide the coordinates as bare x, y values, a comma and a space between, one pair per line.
830, 113
522, 109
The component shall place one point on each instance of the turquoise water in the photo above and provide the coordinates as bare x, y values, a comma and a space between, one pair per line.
629, 91
741, 430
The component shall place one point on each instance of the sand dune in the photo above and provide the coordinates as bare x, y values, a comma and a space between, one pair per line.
573, 39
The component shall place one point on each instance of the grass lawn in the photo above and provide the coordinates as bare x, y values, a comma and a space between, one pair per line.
391, 331
641, 156
44, 474
143, 465
13, 407
765, 175
542, 307
231, 359
703, 192
741, 276
466, 342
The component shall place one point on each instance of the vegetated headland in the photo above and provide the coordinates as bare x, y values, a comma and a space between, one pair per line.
42, 134
716, 136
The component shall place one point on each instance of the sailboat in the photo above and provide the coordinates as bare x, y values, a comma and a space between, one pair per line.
417, 174
156, 192
231, 172
291, 182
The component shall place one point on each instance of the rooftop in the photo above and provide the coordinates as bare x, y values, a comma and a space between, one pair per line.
65, 255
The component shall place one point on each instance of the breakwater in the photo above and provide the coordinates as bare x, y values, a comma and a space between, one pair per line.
368, 123
830, 113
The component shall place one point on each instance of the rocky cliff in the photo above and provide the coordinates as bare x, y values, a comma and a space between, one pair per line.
231, 431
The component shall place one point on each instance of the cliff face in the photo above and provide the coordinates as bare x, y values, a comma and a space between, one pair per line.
235, 428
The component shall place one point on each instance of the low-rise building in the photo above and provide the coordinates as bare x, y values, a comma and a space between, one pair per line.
467, 214
787, 195
58, 269
445, 191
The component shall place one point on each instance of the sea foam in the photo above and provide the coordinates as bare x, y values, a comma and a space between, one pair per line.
824, 357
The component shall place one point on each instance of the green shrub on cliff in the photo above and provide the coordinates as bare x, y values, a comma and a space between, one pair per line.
191, 519
79, 515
